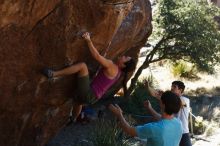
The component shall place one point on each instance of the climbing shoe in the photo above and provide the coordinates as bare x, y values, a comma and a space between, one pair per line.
48, 73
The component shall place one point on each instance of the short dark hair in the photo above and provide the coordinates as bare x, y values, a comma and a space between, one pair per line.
179, 84
171, 101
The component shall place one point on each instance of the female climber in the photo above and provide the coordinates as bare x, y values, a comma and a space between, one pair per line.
89, 93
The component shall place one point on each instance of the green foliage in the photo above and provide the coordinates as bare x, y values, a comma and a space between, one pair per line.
179, 69
199, 125
183, 30
152, 81
106, 133
186, 30
182, 69
134, 105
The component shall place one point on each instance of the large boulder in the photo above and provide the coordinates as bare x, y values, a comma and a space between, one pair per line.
47, 33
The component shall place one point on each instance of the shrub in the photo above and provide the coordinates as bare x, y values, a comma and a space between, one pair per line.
199, 125
184, 70
106, 133
134, 105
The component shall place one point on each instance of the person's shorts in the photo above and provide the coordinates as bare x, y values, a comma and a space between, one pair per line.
85, 94
185, 140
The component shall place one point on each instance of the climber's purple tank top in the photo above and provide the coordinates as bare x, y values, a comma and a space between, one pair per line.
101, 83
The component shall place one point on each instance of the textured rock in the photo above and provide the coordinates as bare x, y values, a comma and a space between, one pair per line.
38, 34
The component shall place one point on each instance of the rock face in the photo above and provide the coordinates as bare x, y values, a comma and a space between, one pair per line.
38, 34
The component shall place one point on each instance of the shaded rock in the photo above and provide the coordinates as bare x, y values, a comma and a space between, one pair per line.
39, 34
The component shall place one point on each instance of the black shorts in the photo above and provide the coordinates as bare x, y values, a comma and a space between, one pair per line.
85, 93
185, 140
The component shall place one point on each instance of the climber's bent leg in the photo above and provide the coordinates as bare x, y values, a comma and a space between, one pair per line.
80, 68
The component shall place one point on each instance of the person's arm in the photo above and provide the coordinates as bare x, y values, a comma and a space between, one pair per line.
116, 110
152, 92
148, 106
102, 60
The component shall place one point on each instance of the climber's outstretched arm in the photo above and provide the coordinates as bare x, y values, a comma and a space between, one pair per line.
106, 63
116, 110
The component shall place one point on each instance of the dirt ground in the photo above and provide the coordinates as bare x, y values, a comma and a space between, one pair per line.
75, 134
